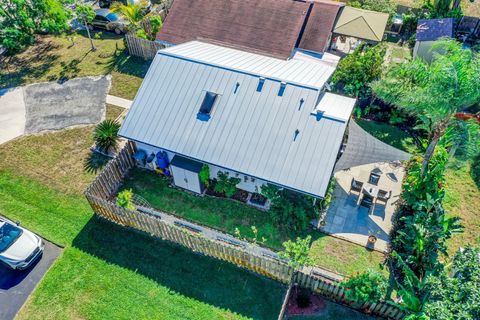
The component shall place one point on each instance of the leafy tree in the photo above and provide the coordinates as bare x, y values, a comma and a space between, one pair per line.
204, 175
434, 92
422, 229
456, 296
106, 135
20, 20
364, 287
444, 8
134, 13
155, 26
387, 6
85, 14
357, 70
296, 252
226, 185
124, 199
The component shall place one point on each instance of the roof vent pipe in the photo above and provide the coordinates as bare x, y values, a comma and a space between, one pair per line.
283, 85
236, 87
297, 132
261, 82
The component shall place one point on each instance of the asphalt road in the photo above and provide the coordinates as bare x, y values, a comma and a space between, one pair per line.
16, 286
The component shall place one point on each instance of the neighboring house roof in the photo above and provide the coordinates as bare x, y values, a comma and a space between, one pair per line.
362, 24
270, 27
363, 148
434, 29
274, 134
313, 73
316, 36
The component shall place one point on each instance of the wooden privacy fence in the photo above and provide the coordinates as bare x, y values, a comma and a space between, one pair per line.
143, 48
101, 195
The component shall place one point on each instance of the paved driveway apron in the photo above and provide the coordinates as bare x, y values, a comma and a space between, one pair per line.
12, 114
16, 286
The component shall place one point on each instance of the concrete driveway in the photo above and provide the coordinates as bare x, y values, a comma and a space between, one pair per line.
16, 286
12, 114
52, 106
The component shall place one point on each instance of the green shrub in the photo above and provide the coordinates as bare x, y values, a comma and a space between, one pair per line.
357, 70
365, 287
124, 199
226, 185
204, 175
106, 135
290, 209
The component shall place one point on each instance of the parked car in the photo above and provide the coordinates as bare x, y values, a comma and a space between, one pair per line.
107, 3
104, 19
19, 248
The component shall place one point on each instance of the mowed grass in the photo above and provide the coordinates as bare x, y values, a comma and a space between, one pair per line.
344, 257
107, 271
463, 200
69, 56
222, 214
111, 272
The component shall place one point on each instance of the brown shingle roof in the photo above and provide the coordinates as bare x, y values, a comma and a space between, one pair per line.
270, 27
320, 25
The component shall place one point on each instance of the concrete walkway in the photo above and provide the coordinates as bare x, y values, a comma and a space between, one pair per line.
119, 102
12, 114
226, 238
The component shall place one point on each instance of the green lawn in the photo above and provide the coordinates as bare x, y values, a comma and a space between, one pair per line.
344, 257
106, 271
328, 252
55, 57
389, 134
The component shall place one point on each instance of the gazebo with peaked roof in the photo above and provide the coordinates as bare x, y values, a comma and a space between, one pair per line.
361, 24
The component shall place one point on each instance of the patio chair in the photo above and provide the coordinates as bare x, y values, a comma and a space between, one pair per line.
374, 178
383, 195
367, 201
356, 185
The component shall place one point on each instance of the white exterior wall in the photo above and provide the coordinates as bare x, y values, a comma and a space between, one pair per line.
245, 184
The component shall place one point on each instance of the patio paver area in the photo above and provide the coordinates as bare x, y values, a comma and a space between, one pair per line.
348, 220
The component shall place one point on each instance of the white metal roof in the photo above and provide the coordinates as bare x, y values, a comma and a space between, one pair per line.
249, 132
314, 73
333, 106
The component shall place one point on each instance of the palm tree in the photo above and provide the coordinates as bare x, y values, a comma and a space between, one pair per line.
134, 13
106, 135
434, 92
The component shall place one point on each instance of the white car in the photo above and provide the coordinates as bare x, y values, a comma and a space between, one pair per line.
19, 248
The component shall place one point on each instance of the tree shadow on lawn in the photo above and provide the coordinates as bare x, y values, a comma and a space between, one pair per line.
16, 69
205, 279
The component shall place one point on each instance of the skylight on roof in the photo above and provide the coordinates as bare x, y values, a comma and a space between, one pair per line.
207, 106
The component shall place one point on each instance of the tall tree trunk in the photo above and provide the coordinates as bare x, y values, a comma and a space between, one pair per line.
437, 134
89, 36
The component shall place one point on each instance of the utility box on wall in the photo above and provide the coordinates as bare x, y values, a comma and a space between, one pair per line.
185, 174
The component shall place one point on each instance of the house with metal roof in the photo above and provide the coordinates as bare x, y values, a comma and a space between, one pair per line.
254, 117
429, 31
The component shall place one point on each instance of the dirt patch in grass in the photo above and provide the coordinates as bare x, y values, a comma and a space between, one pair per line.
69, 56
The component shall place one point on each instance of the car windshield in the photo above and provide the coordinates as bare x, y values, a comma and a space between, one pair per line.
112, 17
8, 234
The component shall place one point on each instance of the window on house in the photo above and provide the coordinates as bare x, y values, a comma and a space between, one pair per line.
207, 104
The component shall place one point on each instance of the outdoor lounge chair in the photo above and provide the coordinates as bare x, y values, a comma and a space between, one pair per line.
383, 195
367, 201
356, 185
374, 178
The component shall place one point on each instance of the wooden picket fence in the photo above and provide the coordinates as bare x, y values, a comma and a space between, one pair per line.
142, 48
101, 194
